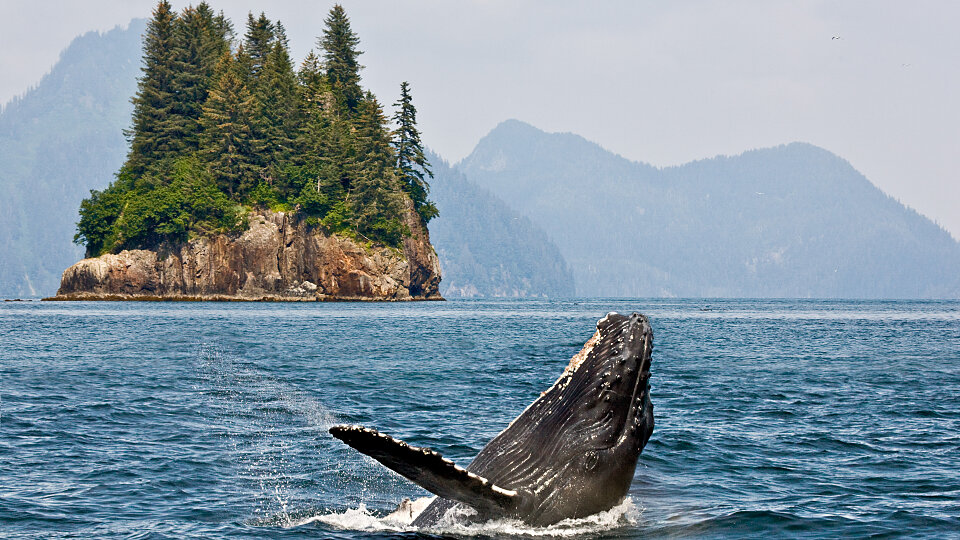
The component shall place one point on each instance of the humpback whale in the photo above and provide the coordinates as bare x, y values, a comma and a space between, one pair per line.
570, 454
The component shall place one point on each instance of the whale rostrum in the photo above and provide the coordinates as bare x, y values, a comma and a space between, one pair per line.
570, 454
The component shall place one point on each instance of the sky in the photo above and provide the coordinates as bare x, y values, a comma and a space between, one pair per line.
660, 82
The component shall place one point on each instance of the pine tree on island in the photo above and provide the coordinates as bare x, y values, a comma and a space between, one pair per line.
372, 193
277, 93
412, 166
150, 135
201, 39
340, 54
258, 41
216, 133
230, 144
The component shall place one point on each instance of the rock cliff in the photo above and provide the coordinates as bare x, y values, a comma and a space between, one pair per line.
279, 257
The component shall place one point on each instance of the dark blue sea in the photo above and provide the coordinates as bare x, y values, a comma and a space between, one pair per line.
813, 419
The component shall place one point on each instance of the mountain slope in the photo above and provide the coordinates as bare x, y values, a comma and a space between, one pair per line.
790, 221
58, 141
485, 248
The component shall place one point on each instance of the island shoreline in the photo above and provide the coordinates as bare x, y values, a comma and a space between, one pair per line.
93, 297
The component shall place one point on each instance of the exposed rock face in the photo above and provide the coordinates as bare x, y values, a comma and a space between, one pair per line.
279, 257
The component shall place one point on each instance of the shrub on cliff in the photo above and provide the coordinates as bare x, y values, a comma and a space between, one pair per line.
215, 131
177, 198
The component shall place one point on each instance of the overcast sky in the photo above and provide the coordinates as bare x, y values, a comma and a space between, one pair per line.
662, 82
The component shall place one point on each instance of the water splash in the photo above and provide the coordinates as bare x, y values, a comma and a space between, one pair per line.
258, 414
457, 522
255, 387
356, 519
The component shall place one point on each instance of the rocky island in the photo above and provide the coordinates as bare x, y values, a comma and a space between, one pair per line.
278, 258
249, 180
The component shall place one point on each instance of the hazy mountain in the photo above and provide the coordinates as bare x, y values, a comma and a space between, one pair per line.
487, 249
58, 141
790, 221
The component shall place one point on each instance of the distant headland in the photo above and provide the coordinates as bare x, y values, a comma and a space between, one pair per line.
247, 179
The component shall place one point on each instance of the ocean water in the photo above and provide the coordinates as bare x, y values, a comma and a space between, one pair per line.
170, 420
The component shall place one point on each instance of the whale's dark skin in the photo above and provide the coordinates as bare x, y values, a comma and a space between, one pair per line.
570, 454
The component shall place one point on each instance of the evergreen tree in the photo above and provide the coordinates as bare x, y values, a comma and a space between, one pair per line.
316, 93
340, 54
312, 77
412, 166
280, 34
325, 145
311, 74
258, 41
221, 24
258, 74
279, 97
312, 88
216, 37
229, 143
200, 42
152, 137
373, 198
323, 141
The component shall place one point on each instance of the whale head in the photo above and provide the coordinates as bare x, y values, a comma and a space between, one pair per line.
573, 452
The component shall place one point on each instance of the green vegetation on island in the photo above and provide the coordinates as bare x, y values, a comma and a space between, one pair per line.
221, 126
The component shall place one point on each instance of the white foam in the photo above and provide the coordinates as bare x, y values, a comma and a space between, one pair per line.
456, 522
354, 519
408, 510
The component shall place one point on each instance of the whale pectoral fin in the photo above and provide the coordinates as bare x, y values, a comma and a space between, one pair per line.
428, 469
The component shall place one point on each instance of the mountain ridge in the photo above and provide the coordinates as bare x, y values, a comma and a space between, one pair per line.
744, 225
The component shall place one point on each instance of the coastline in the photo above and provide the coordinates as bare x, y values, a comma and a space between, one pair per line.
95, 297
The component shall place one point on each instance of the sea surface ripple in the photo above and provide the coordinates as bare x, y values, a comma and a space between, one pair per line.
813, 419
